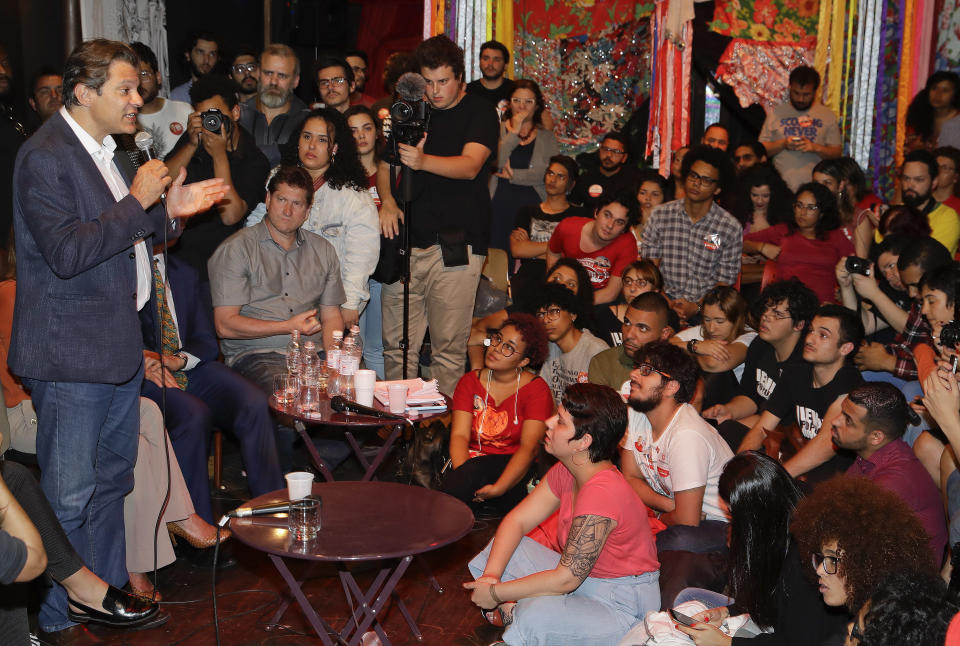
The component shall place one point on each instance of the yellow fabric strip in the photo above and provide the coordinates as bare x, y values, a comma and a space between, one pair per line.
835, 77
906, 74
504, 28
823, 43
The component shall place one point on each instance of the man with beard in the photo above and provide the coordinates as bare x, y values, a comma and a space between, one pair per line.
45, 97
245, 72
493, 85
919, 178
274, 115
611, 176
357, 60
201, 54
12, 136
672, 457
229, 154
798, 134
335, 83
164, 119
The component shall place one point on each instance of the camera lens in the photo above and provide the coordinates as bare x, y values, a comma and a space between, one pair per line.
401, 111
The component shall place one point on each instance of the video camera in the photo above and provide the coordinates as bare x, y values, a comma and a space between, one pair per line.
409, 116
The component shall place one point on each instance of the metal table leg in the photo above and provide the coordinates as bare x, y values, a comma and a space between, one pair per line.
301, 430
321, 627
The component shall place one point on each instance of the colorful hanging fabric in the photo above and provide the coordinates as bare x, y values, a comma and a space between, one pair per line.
834, 73
948, 36
503, 24
792, 22
758, 72
555, 19
669, 126
905, 85
865, 83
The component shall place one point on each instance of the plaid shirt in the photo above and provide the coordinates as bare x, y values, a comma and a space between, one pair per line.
693, 256
915, 331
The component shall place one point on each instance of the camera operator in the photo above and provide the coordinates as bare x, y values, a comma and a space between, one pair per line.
875, 289
227, 152
450, 221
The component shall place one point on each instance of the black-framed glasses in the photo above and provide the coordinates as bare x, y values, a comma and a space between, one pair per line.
325, 83
507, 349
809, 208
829, 563
645, 369
549, 314
775, 314
240, 68
639, 282
697, 178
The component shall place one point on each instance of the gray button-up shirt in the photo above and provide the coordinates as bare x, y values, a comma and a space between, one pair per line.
268, 282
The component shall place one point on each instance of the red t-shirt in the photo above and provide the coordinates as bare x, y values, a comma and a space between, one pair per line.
812, 261
600, 264
630, 549
493, 430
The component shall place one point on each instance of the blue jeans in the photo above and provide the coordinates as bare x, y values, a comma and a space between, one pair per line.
87, 437
709, 536
597, 613
371, 331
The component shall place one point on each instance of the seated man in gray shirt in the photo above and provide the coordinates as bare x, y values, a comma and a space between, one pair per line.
272, 278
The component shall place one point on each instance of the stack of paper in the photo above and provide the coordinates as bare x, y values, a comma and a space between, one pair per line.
419, 392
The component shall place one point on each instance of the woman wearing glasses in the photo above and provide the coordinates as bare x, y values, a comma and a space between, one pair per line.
809, 245
600, 577
499, 415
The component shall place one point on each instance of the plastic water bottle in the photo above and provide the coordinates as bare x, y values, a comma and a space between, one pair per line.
357, 343
348, 369
294, 356
334, 353
309, 364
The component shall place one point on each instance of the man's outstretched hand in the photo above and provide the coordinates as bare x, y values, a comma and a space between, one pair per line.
186, 200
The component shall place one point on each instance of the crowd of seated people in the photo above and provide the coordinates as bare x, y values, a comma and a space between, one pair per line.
650, 432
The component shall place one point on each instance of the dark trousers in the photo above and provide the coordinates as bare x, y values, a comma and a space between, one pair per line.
216, 396
478, 472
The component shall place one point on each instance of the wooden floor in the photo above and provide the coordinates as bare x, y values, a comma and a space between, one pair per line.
249, 593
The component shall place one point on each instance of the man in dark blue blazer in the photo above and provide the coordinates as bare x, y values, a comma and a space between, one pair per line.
83, 271
214, 394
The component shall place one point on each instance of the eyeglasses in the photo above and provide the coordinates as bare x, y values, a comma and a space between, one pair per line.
612, 151
855, 631
809, 208
240, 68
639, 282
697, 178
507, 349
325, 83
551, 314
645, 369
829, 562
775, 314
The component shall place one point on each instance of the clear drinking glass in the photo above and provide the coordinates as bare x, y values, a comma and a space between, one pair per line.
303, 519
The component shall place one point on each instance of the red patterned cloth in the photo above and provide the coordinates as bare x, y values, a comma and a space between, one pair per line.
758, 72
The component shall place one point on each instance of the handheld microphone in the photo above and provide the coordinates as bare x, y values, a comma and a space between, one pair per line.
262, 510
144, 141
411, 86
342, 405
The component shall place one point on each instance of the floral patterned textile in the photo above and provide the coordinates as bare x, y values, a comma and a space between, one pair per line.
556, 19
773, 21
948, 29
758, 72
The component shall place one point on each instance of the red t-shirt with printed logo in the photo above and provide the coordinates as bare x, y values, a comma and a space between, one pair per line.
601, 264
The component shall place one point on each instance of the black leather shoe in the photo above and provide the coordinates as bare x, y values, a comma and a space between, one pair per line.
123, 610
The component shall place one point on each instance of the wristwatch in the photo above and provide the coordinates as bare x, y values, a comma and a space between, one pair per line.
183, 356
692, 346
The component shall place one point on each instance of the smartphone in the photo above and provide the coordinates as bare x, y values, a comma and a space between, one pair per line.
682, 618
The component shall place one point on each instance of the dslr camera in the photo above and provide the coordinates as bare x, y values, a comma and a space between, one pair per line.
950, 335
213, 119
857, 265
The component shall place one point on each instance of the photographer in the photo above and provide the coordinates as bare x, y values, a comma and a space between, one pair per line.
450, 223
227, 152
875, 289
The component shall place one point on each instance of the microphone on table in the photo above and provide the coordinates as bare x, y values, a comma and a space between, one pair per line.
342, 405
263, 510
144, 141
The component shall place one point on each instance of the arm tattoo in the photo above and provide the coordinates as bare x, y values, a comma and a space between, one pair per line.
586, 539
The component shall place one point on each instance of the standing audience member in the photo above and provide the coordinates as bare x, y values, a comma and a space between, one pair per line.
919, 180
164, 119
499, 418
357, 60
274, 115
934, 110
601, 576
602, 244
808, 245
948, 177
335, 83
229, 154
696, 244
201, 55
493, 84
451, 219
748, 155
524, 154
800, 133
716, 136
45, 98
80, 236
571, 347
12, 136
341, 211
245, 72
670, 456
612, 177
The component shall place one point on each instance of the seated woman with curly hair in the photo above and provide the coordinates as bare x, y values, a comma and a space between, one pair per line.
605, 579
499, 415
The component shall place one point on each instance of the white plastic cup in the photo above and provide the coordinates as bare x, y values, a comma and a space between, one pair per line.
398, 398
364, 396
299, 484
364, 380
